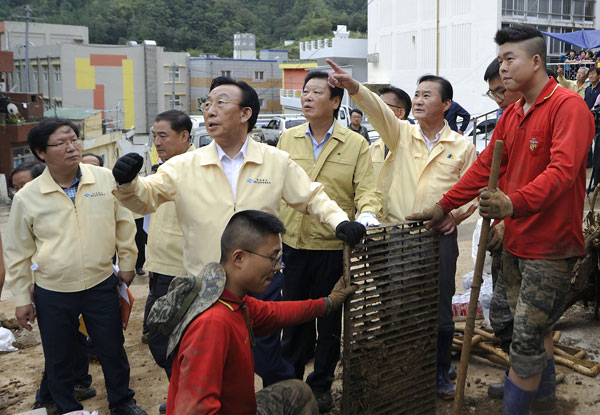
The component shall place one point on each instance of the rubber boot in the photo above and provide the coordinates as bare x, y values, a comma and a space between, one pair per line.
516, 400
445, 388
545, 398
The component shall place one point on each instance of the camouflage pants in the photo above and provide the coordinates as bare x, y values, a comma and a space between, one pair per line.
500, 317
288, 397
535, 290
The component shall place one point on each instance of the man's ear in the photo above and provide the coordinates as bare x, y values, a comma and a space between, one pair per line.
40, 153
402, 113
538, 63
237, 257
246, 114
447, 104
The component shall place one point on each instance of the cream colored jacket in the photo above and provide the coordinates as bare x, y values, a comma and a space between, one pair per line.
377, 151
344, 167
164, 250
204, 201
572, 85
68, 246
412, 179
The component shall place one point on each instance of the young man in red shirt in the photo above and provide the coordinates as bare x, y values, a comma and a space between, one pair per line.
213, 368
546, 137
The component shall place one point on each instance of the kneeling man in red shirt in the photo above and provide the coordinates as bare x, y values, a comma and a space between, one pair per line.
213, 368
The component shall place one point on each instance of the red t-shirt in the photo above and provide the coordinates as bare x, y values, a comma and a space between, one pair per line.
543, 168
213, 371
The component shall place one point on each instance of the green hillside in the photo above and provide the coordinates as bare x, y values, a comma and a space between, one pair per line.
198, 26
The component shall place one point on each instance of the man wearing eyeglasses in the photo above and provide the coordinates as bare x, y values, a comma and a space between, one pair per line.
230, 174
425, 161
65, 227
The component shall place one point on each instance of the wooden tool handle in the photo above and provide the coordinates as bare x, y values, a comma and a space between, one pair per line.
476, 286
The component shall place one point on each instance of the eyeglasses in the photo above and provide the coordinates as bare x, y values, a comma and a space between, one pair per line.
218, 104
275, 261
394, 106
76, 142
496, 95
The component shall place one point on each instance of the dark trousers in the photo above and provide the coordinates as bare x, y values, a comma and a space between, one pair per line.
81, 375
268, 362
448, 257
158, 286
141, 237
58, 320
312, 274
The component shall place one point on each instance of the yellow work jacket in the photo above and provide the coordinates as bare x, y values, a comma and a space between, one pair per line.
412, 179
204, 201
344, 167
69, 247
164, 250
377, 151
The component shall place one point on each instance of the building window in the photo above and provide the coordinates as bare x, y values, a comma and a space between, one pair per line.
35, 74
226, 73
57, 76
263, 102
175, 102
172, 72
568, 10
22, 155
259, 75
199, 102
45, 69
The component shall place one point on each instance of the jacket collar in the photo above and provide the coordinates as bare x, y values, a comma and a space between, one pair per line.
546, 93
48, 185
447, 133
339, 133
210, 155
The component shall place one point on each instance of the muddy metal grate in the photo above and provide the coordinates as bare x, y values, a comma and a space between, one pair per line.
390, 324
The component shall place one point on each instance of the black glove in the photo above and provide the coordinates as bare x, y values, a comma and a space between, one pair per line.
351, 232
127, 167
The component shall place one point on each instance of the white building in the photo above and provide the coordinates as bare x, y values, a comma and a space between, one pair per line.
403, 39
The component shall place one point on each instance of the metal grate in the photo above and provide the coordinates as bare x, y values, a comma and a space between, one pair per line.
390, 324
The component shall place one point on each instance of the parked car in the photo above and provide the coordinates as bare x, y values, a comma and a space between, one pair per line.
200, 137
278, 124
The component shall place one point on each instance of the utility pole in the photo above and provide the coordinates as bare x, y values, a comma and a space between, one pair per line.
27, 18
173, 68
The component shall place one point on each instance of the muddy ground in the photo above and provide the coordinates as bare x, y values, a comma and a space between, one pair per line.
21, 371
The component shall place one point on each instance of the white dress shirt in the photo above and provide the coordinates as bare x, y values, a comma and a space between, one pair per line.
232, 166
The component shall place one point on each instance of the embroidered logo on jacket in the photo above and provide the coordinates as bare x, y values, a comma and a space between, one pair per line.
95, 194
533, 143
259, 181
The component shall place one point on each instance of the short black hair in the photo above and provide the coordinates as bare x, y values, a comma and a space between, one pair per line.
446, 90
38, 136
249, 96
359, 112
533, 40
179, 120
333, 91
492, 71
551, 73
594, 69
100, 160
402, 97
246, 230
27, 166
38, 169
